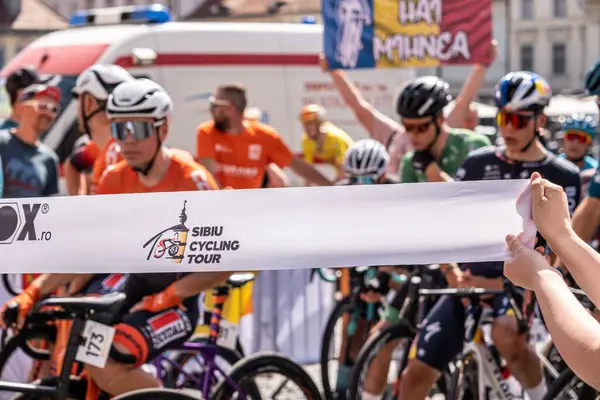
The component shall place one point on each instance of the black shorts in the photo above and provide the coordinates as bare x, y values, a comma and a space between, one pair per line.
147, 334
442, 333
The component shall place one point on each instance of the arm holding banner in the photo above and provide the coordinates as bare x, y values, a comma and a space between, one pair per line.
458, 115
574, 331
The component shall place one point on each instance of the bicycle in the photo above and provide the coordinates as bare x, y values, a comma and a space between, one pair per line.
398, 335
78, 310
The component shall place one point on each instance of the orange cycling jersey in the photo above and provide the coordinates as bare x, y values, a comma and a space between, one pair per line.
241, 159
183, 174
112, 155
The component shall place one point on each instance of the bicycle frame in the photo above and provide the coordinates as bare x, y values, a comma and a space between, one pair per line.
208, 352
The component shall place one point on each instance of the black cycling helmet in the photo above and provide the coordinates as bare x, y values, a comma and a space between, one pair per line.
423, 97
19, 80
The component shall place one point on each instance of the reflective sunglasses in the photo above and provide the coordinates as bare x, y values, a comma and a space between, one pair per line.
576, 136
362, 180
518, 121
139, 130
214, 103
417, 128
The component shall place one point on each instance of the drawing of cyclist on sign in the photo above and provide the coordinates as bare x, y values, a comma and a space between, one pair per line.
351, 17
171, 241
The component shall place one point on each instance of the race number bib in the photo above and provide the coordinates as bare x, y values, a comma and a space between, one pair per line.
227, 334
97, 341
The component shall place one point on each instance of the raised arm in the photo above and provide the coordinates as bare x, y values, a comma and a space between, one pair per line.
458, 115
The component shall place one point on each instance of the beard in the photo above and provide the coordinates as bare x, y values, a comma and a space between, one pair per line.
221, 124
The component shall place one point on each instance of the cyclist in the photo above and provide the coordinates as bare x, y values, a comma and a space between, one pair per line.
92, 88
578, 134
389, 132
521, 98
237, 151
322, 141
31, 168
365, 163
438, 149
274, 176
586, 219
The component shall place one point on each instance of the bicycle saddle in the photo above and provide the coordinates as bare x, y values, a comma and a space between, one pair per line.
110, 303
240, 279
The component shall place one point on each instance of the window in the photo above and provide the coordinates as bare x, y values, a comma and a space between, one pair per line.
2, 55
559, 59
527, 9
560, 8
527, 57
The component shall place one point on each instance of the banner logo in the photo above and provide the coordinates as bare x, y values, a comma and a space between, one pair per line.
172, 243
17, 222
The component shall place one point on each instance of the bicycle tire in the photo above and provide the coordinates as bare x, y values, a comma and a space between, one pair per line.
560, 384
8, 285
465, 374
342, 306
267, 363
388, 334
157, 394
19, 341
229, 355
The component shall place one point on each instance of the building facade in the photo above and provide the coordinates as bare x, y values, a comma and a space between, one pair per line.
29, 19
556, 38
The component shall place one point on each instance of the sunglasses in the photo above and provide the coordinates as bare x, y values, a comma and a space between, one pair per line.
518, 121
139, 130
362, 180
214, 103
45, 108
574, 136
417, 128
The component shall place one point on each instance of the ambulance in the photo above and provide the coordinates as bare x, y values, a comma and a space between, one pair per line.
278, 64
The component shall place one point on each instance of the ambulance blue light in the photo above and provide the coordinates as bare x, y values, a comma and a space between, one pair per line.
309, 20
152, 14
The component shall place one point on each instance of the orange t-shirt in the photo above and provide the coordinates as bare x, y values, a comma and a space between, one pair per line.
242, 159
183, 175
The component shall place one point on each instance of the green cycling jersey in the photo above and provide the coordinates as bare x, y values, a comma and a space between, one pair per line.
460, 143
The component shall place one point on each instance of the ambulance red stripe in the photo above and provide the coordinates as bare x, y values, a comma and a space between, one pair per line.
73, 59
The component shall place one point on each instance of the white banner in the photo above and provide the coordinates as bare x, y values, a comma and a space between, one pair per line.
262, 229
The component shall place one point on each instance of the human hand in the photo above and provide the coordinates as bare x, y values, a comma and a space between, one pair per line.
323, 63
159, 301
550, 208
524, 269
421, 160
25, 301
491, 54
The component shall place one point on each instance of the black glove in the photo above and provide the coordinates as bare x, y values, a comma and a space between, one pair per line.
421, 160
379, 284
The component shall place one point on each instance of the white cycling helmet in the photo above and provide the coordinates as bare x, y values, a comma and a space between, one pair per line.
100, 80
139, 98
366, 157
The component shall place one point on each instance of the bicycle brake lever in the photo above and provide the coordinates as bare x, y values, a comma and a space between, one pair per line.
11, 314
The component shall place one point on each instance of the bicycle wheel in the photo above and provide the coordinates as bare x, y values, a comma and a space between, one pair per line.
342, 306
569, 386
464, 383
371, 349
8, 281
172, 376
246, 371
77, 389
157, 394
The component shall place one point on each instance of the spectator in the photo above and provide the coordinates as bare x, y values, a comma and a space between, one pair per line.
15, 84
274, 176
389, 132
574, 331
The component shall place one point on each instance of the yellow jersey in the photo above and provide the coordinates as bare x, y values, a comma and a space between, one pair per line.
335, 144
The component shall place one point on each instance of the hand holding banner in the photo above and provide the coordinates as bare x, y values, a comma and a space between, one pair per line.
406, 33
241, 230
